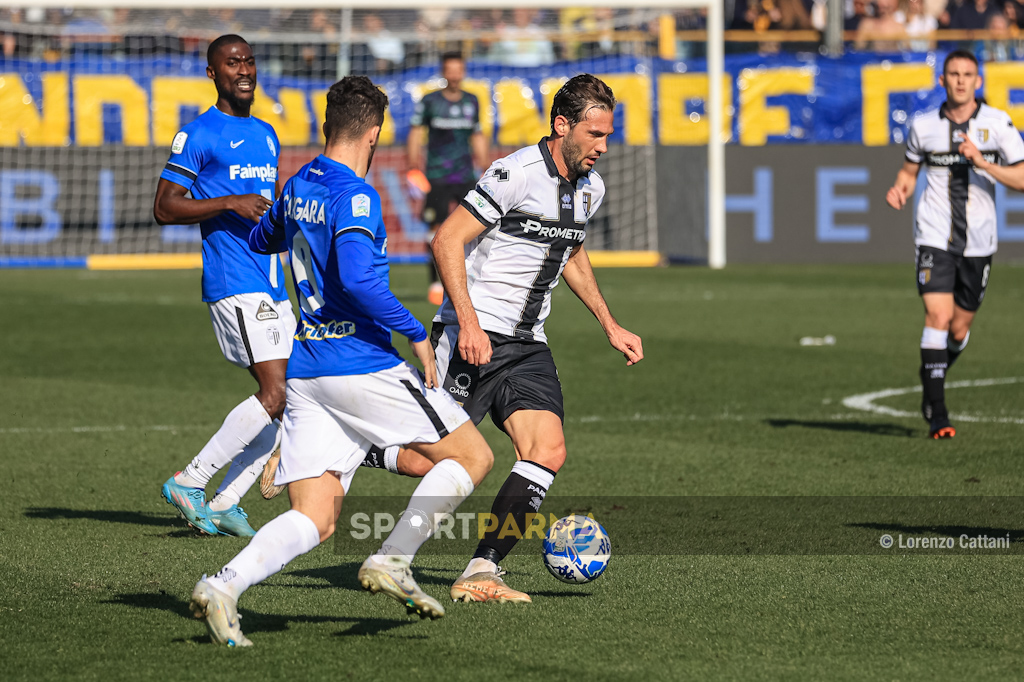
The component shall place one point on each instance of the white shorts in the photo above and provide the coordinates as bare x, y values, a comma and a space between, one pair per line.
251, 328
331, 422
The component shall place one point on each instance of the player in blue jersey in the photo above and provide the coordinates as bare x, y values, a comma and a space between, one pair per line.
347, 386
227, 159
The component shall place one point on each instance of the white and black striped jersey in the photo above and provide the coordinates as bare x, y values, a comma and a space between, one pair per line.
957, 210
535, 219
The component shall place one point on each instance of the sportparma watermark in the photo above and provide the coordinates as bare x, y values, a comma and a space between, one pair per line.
768, 525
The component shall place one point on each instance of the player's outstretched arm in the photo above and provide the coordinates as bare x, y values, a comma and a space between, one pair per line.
579, 275
449, 248
1011, 176
171, 206
906, 182
355, 270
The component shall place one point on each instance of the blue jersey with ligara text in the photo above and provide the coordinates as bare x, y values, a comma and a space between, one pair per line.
331, 223
219, 155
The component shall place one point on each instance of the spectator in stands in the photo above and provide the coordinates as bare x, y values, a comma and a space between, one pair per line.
884, 31
524, 43
861, 11
1014, 13
387, 50
974, 15
319, 56
919, 25
1000, 47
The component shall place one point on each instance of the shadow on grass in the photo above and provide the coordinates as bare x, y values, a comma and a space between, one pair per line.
1016, 534
344, 576
558, 594
255, 622
894, 430
106, 515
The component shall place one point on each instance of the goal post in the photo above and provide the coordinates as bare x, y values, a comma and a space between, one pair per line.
94, 160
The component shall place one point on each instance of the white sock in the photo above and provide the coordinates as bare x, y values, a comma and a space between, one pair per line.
391, 458
242, 425
247, 468
934, 339
478, 565
279, 541
440, 492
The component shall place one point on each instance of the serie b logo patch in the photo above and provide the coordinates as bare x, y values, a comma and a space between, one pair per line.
924, 276
982, 135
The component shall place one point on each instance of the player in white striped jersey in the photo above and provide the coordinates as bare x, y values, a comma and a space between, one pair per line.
500, 254
967, 147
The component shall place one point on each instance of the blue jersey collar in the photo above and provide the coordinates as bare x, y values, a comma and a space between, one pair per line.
340, 167
218, 112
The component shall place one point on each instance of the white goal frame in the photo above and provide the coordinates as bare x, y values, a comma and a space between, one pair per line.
715, 59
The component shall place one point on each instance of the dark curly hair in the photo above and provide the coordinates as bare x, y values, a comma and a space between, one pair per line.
354, 105
580, 94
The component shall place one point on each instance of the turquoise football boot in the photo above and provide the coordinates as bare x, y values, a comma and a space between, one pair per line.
191, 503
231, 521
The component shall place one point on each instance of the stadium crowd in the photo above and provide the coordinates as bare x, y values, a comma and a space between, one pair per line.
306, 42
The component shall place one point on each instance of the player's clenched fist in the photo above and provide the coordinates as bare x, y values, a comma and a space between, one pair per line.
627, 343
251, 206
896, 197
969, 151
474, 345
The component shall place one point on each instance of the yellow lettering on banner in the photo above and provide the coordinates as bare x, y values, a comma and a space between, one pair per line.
674, 125
289, 115
482, 90
999, 80
633, 92
92, 92
21, 120
757, 119
318, 101
170, 94
519, 120
877, 82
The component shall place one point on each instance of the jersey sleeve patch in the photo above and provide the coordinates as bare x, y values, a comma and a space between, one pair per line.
361, 206
178, 145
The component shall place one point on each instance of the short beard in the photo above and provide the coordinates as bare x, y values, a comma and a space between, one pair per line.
572, 156
236, 103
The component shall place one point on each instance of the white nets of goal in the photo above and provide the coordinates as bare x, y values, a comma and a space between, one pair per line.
90, 100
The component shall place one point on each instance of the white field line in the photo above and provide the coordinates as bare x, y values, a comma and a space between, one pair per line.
865, 402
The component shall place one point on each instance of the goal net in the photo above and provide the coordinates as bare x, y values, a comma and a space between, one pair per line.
91, 96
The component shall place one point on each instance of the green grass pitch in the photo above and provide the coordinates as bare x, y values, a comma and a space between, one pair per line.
112, 381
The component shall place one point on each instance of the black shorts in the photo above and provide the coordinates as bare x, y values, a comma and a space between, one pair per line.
520, 376
441, 198
965, 277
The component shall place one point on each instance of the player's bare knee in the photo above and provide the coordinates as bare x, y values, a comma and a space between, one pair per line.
548, 456
411, 463
326, 530
477, 462
938, 320
272, 399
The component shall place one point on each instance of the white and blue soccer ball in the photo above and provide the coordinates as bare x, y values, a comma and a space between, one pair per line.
577, 549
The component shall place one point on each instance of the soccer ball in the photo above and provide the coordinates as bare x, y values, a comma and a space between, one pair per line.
577, 549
